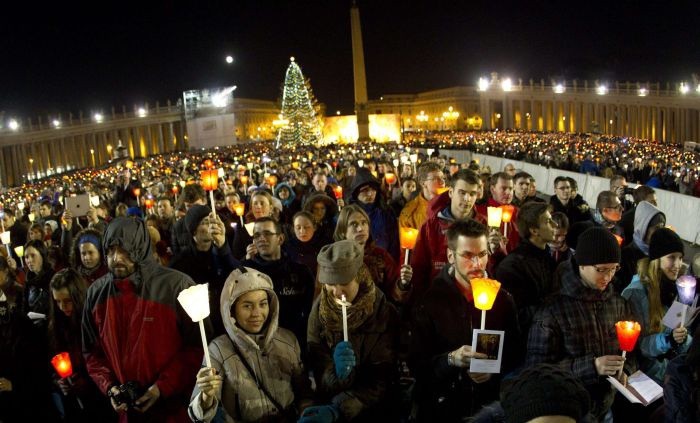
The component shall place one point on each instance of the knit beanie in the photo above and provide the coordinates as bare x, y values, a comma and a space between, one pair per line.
195, 215
338, 263
663, 242
544, 390
597, 246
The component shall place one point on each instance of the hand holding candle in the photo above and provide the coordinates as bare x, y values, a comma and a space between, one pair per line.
407, 239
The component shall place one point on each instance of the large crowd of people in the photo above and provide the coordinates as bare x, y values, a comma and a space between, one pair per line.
323, 310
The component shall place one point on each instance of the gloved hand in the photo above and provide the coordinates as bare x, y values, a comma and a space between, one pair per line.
319, 414
344, 359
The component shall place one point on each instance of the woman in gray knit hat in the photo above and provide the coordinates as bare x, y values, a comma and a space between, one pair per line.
352, 376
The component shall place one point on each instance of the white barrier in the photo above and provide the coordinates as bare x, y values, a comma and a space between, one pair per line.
682, 211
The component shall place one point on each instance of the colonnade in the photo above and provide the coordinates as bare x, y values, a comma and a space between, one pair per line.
28, 156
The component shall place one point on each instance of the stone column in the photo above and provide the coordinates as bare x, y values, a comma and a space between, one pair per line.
161, 144
360, 85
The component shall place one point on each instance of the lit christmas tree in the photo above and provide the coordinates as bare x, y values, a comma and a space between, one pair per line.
299, 109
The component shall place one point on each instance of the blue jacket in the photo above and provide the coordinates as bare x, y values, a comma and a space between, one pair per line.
652, 346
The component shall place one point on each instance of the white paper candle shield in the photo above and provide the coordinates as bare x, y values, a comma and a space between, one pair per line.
5, 237
686, 288
19, 251
195, 301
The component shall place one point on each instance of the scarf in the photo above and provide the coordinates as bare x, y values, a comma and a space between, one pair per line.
331, 314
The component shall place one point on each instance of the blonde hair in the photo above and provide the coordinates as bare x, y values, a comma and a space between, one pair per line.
650, 272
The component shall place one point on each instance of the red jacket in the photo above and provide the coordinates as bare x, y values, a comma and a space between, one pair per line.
135, 330
430, 253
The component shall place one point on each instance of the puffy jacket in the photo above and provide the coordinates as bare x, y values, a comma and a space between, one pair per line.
653, 347
135, 330
577, 326
274, 356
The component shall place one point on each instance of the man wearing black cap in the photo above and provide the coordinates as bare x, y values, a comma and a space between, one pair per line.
353, 376
208, 258
576, 330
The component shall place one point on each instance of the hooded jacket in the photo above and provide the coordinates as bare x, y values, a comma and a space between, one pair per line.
637, 249
326, 227
574, 328
289, 206
430, 253
135, 330
383, 224
274, 356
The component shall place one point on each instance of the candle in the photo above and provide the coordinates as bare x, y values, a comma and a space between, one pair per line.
619, 239
686, 286
208, 164
137, 193
244, 180
338, 192
506, 215
343, 304
175, 190
390, 178
494, 217
5, 237
210, 182
31, 217
62, 364
195, 301
239, 208
407, 239
627, 334
484, 291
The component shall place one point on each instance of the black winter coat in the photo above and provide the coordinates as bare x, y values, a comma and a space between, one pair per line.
443, 320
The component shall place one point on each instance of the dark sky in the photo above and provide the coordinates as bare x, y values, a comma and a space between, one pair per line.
63, 57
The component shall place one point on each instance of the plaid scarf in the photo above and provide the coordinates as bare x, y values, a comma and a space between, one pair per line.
331, 315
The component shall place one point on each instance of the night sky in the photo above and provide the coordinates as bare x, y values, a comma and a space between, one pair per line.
69, 58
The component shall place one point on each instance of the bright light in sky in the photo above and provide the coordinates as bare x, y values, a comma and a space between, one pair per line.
229, 59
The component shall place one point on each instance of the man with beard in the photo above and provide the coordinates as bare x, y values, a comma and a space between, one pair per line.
430, 253
443, 321
134, 329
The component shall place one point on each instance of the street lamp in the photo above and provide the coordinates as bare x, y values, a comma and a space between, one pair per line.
13, 124
229, 59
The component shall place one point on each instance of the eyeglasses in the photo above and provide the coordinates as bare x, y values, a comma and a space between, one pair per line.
604, 271
266, 234
439, 178
564, 188
617, 207
471, 256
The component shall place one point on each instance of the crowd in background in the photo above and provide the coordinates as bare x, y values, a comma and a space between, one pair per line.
318, 312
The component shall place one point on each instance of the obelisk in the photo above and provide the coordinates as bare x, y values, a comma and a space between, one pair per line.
358, 61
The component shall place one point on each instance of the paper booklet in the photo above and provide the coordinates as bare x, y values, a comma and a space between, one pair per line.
673, 316
640, 389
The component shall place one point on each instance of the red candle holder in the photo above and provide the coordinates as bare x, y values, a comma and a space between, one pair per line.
61, 363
